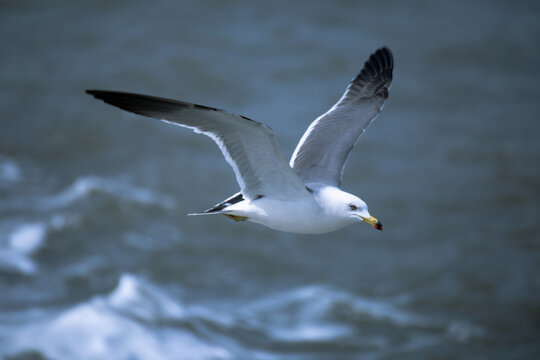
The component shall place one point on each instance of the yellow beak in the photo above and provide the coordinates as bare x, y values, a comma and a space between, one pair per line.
373, 222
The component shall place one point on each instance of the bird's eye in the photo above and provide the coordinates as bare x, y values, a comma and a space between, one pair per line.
353, 207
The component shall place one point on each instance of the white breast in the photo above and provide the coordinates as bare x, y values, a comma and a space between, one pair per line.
303, 216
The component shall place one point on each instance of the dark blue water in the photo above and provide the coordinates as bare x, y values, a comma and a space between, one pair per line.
98, 259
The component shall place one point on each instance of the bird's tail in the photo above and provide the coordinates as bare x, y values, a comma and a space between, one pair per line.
219, 207
205, 213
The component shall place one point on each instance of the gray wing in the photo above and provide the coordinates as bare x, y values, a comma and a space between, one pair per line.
248, 146
322, 152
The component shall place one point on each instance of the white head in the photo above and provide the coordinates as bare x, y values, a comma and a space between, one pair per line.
346, 206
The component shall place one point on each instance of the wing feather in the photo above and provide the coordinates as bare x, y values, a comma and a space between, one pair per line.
322, 152
249, 147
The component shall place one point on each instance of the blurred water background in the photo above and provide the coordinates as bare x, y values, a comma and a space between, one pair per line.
99, 261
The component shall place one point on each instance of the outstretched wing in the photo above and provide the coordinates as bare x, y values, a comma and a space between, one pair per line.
248, 146
322, 152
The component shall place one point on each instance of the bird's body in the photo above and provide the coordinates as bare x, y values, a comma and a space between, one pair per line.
313, 214
304, 195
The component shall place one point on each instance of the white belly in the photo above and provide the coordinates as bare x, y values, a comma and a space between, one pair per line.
305, 217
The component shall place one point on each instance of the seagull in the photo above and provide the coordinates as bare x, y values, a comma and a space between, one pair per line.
304, 195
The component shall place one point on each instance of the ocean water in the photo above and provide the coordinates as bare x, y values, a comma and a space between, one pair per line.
98, 259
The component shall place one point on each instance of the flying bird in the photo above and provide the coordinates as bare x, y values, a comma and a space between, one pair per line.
303, 195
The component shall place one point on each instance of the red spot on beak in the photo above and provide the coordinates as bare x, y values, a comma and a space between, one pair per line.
378, 225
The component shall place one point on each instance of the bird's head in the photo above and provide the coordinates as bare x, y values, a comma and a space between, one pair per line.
357, 209
348, 206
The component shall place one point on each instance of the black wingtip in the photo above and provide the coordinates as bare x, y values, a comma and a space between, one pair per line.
93, 92
376, 75
145, 105
103, 94
380, 62
384, 56
151, 106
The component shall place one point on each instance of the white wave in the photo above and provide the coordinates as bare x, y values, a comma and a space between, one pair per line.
316, 313
140, 321
15, 262
83, 187
27, 238
19, 245
136, 298
21, 241
95, 331
130, 323
9, 171
312, 314
463, 331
